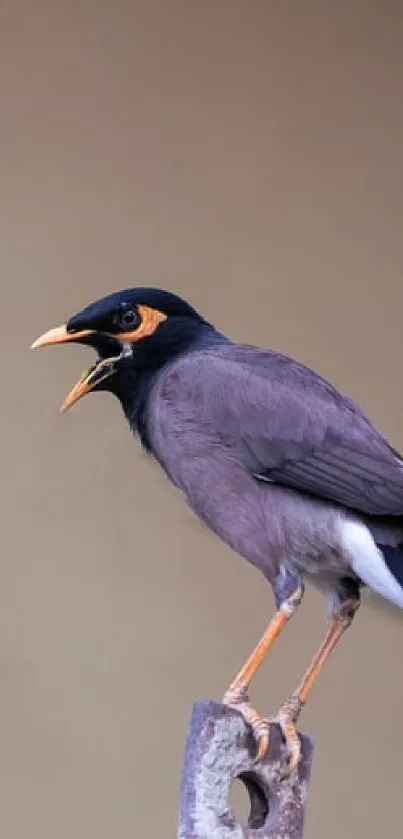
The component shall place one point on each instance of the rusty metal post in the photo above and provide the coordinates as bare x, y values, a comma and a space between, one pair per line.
219, 749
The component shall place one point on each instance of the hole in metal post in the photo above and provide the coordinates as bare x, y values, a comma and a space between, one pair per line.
248, 801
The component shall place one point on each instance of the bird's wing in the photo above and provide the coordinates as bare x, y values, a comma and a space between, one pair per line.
295, 429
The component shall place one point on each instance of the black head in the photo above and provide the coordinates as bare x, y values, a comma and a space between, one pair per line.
135, 332
119, 312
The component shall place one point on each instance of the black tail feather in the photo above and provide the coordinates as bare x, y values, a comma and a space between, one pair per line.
394, 560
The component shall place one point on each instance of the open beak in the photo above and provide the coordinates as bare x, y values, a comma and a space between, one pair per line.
92, 377
89, 380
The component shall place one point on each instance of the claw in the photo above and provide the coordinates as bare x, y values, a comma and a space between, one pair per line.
293, 744
286, 719
237, 698
261, 732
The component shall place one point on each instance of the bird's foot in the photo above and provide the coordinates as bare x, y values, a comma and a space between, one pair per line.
286, 719
237, 697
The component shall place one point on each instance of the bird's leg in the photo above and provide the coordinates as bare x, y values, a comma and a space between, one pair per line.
290, 711
289, 593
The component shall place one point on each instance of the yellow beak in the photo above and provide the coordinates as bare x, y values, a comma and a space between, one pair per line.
77, 392
59, 335
89, 380
91, 377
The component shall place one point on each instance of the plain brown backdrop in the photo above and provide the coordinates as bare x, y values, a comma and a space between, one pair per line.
249, 156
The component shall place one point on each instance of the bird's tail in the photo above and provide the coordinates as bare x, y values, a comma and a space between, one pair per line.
379, 566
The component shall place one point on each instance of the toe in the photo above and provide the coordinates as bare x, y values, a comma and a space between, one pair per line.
261, 733
237, 698
295, 757
292, 742
236, 695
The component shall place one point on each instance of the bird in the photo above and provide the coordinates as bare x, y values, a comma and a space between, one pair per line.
284, 468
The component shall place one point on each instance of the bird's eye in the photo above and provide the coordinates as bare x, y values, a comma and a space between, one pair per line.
129, 318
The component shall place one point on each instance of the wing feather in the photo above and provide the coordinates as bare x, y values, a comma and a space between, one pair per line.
293, 427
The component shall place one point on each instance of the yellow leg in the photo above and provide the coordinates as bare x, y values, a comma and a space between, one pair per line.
289, 712
237, 694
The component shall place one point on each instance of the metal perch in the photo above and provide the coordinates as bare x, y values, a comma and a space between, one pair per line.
219, 749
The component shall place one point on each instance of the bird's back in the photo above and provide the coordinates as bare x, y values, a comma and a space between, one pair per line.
282, 420
271, 456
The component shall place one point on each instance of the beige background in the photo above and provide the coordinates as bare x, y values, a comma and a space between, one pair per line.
249, 156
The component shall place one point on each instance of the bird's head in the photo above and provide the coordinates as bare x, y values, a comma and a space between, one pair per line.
133, 331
